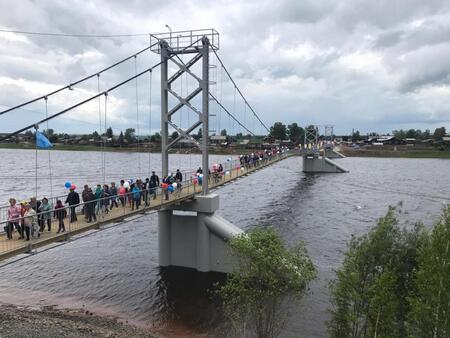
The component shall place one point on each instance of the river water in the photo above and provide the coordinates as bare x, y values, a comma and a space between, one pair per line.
115, 271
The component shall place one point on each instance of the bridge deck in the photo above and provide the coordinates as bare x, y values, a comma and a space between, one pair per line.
10, 248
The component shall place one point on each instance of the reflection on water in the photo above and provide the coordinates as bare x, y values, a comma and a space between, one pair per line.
116, 271
187, 296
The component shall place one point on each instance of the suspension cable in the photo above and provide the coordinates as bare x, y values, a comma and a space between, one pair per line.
229, 114
104, 152
69, 86
48, 151
137, 117
239, 91
150, 126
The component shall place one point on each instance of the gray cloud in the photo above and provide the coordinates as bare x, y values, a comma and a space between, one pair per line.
358, 64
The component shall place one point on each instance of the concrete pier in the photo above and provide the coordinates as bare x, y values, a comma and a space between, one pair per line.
192, 236
316, 164
332, 153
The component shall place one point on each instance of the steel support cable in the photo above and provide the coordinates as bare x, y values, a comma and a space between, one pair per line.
150, 126
88, 99
220, 104
48, 151
73, 35
240, 93
69, 86
137, 116
229, 114
104, 152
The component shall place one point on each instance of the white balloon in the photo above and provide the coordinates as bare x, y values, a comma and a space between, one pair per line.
126, 185
174, 184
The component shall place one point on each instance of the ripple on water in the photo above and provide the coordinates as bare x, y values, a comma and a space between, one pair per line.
116, 270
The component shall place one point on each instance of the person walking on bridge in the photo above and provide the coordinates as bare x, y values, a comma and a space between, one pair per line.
84, 196
90, 206
154, 183
113, 192
178, 179
73, 199
122, 193
13, 218
136, 196
31, 222
46, 214
60, 213
98, 198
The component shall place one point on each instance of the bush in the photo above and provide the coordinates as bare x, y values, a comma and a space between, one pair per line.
430, 314
369, 295
267, 278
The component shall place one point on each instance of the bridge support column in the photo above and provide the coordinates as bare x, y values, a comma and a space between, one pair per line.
331, 153
315, 164
164, 237
191, 235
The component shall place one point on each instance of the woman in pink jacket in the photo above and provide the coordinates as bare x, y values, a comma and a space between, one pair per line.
13, 218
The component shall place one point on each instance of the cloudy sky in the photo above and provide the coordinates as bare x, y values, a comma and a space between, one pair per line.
367, 65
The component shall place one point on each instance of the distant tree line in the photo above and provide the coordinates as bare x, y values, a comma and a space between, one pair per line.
418, 134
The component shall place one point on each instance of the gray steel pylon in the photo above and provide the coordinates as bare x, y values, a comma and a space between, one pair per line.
168, 53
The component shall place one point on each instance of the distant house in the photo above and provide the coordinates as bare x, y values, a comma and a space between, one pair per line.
217, 139
390, 140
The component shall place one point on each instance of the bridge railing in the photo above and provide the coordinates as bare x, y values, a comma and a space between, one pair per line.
103, 209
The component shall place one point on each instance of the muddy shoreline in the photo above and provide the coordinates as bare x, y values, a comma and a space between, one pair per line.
47, 321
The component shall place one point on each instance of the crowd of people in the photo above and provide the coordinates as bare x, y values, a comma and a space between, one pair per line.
31, 218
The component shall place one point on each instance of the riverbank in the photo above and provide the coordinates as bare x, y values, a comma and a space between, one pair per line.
422, 153
47, 321
175, 150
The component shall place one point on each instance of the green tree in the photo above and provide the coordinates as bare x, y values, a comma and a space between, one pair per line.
130, 136
198, 136
356, 135
296, 133
400, 134
239, 136
411, 133
223, 132
430, 314
156, 138
268, 276
109, 133
369, 295
95, 135
278, 131
439, 133
426, 134
120, 140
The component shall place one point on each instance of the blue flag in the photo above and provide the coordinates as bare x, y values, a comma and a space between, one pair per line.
42, 141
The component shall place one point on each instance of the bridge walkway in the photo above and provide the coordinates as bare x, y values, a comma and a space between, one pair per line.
13, 247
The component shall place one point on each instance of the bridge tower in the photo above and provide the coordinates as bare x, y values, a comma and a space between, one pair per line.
312, 161
190, 234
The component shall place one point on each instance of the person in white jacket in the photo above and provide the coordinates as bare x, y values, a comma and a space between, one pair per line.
31, 222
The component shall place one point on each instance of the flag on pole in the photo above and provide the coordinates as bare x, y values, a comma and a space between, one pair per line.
42, 141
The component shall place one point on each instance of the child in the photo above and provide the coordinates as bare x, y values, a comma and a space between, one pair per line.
60, 214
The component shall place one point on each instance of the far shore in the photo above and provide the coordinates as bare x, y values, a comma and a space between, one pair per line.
410, 153
347, 151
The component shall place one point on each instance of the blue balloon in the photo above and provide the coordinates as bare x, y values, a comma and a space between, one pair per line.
67, 184
170, 188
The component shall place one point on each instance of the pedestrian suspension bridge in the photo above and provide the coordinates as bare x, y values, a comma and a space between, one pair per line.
193, 99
